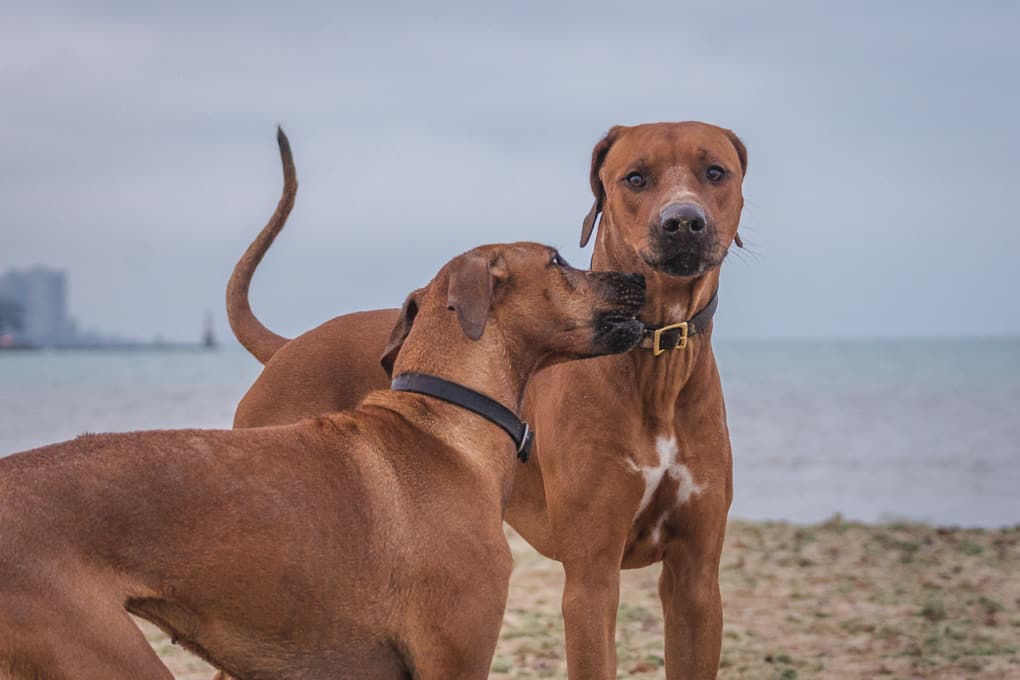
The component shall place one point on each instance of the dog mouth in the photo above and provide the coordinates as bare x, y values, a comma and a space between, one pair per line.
617, 328
618, 331
683, 263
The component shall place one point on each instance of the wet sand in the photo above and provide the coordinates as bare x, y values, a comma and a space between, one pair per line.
834, 600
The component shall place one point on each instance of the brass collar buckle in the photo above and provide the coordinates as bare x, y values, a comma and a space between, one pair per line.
681, 342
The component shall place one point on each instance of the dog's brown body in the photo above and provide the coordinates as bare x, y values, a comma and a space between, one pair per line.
365, 544
656, 482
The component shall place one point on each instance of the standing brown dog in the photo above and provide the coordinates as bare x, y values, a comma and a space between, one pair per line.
365, 544
651, 424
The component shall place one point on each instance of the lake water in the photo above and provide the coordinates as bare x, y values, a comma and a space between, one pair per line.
925, 430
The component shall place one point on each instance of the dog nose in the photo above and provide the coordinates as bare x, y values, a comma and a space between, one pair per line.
678, 217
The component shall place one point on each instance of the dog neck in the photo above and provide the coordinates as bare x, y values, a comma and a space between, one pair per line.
660, 380
490, 365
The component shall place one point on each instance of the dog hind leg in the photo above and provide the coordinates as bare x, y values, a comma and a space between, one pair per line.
71, 644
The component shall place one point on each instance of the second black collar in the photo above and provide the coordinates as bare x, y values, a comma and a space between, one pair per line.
476, 402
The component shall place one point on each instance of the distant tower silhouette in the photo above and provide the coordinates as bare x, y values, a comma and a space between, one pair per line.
208, 339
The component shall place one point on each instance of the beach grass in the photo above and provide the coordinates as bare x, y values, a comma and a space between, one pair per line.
833, 600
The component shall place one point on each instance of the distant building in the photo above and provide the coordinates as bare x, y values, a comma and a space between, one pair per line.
208, 337
10, 321
41, 295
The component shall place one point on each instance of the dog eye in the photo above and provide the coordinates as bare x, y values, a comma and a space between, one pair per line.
715, 173
636, 180
558, 260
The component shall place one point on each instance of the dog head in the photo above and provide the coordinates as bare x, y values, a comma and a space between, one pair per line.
671, 193
537, 303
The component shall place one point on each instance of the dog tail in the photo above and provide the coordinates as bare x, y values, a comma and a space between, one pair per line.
256, 338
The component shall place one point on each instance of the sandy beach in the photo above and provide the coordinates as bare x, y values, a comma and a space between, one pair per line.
833, 600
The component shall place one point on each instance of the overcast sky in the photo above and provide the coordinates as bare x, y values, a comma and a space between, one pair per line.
137, 150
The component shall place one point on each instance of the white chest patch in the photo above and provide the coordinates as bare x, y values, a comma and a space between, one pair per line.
687, 488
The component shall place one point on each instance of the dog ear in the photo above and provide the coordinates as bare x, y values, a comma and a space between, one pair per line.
742, 155
470, 291
598, 157
399, 333
741, 150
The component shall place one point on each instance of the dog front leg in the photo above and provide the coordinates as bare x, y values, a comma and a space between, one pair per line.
590, 514
692, 604
591, 597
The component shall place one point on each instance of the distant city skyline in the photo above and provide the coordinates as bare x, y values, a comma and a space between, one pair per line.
137, 151
34, 313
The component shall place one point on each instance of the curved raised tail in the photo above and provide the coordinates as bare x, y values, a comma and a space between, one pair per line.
256, 338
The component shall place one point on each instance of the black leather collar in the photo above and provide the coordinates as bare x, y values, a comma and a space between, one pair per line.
488, 408
675, 335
